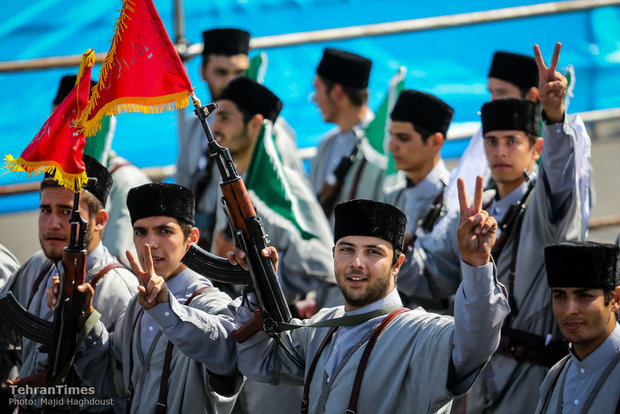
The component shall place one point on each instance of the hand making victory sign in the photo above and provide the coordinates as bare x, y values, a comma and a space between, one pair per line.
477, 229
152, 288
551, 85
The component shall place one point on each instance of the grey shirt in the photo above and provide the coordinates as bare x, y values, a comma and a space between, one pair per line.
578, 380
467, 343
554, 214
202, 327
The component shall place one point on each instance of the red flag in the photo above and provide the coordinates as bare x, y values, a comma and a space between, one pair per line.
58, 147
142, 72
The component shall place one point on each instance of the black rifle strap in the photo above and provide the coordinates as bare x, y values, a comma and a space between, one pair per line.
328, 193
554, 382
162, 401
357, 179
38, 280
512, 301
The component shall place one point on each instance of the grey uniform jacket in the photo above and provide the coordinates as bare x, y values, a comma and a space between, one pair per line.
134, 353
591, 385
8, 264
365, 179
112, 294
408, 369
554, 214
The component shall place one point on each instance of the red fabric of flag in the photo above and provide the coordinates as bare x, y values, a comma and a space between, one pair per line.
142, 72
58, 147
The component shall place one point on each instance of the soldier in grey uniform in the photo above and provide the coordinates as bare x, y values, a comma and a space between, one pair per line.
225, 57
418, 129
419, 360
547, 207
113, 283
8, 265
584, 279
306, 269
345, 167
144, 358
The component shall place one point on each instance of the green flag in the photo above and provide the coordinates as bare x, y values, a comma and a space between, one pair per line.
267, 179
378, 132
258, 67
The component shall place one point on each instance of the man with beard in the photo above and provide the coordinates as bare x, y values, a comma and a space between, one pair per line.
248, 109
419, 360
585, 294
114, 284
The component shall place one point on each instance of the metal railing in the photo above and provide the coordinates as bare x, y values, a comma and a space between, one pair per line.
378, 29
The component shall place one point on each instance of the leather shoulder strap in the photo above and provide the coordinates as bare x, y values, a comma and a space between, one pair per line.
38, 280
100, 274
357, 384
162, 401
304, 398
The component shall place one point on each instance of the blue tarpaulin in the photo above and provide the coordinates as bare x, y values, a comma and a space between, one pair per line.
451, 63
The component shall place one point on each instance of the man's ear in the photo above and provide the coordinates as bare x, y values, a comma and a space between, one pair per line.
615, 299
202, 69
532, 94
538, 146
254, 124
101, 219
193, 235
398, 264
436, 140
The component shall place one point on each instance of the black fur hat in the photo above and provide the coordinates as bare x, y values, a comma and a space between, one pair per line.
67, 83
347, 69
227, 42
370, 218
161, 199
423, 110
511, 114
582, 264
253, 98
520, 70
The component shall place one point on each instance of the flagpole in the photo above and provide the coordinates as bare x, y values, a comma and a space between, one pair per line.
181, 44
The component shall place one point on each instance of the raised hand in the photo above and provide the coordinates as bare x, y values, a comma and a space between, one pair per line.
152, 289
477, 230
551, 85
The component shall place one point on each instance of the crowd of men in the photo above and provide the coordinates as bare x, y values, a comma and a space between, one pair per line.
407, 299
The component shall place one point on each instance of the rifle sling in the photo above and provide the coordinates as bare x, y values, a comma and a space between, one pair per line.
103, 272
349, 320
162, 403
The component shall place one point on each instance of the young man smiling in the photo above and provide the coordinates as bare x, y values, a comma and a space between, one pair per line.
585, 290
176, 311
420, 360
551, 200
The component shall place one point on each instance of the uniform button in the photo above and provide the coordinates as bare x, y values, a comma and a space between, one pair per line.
576, 402
583, 371
150, 328
166, 313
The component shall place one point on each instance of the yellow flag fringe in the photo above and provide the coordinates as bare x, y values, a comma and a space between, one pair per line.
71, 182
147, 105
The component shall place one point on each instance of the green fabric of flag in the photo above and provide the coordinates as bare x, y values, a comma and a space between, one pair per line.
98, 146
258, 67
378, 132
267, 179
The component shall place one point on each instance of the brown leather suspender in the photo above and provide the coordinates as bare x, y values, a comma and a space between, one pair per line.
162, 401
361, 368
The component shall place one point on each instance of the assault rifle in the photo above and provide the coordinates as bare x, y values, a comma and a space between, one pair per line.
249, 235
58, 338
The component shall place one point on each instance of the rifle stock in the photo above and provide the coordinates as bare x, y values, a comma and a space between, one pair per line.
249, 236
